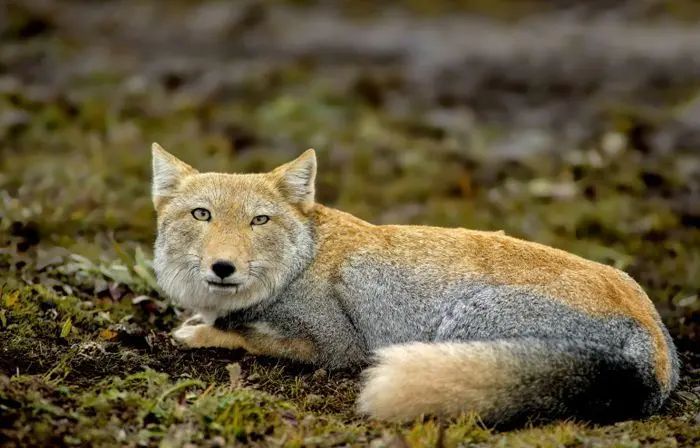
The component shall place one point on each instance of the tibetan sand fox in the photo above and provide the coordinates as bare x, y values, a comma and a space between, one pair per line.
443, 320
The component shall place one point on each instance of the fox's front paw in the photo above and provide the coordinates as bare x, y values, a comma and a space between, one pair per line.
196, 319
193, 336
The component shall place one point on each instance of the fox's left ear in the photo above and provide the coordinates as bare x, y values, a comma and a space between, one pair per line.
168, 171
297, 179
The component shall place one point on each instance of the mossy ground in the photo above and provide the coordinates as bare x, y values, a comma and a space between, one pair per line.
85, 352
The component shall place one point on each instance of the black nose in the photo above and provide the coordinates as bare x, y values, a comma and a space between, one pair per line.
223, 268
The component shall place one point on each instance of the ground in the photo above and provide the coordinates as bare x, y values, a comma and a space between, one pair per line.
573, 126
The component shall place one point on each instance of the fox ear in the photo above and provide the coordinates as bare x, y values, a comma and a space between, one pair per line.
168, 171
297, 179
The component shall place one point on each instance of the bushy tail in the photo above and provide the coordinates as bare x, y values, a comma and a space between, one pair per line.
509, 382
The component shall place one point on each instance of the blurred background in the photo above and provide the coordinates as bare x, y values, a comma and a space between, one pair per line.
571, 123
575, 124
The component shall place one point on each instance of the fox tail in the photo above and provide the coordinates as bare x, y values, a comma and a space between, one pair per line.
510, 382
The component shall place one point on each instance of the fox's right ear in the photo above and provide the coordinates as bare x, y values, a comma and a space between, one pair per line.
168, 171
296, 179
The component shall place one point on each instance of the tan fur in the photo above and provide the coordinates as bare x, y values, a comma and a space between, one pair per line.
207, 336
258, 343
420, 378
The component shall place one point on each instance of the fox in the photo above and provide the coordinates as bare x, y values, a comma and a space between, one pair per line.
438, 321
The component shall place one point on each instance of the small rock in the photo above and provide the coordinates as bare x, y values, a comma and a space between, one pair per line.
377, 443
523, 144
41, 94
313, 399
687, 301
320, 375
220, 19
91, 349
218, 441
289, 418
558, 190
51, 257
235, 375
613, 143
116, 291
9, 84
136, 85
455, 121
13, 120
308, 420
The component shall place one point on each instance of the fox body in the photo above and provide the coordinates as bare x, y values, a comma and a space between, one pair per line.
443, 320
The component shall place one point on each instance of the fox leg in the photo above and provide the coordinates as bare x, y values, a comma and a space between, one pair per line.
256, 339
205, 335
198, 331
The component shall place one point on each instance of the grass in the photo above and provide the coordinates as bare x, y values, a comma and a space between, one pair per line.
86, 357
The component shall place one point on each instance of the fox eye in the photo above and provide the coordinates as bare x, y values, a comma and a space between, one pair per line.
201, 214
259, 220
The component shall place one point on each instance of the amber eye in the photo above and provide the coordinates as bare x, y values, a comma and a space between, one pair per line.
259, 220
201, 214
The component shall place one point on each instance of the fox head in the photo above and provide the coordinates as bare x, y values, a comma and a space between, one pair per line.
227, 241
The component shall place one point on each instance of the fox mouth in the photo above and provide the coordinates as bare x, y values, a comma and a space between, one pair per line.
222, 285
